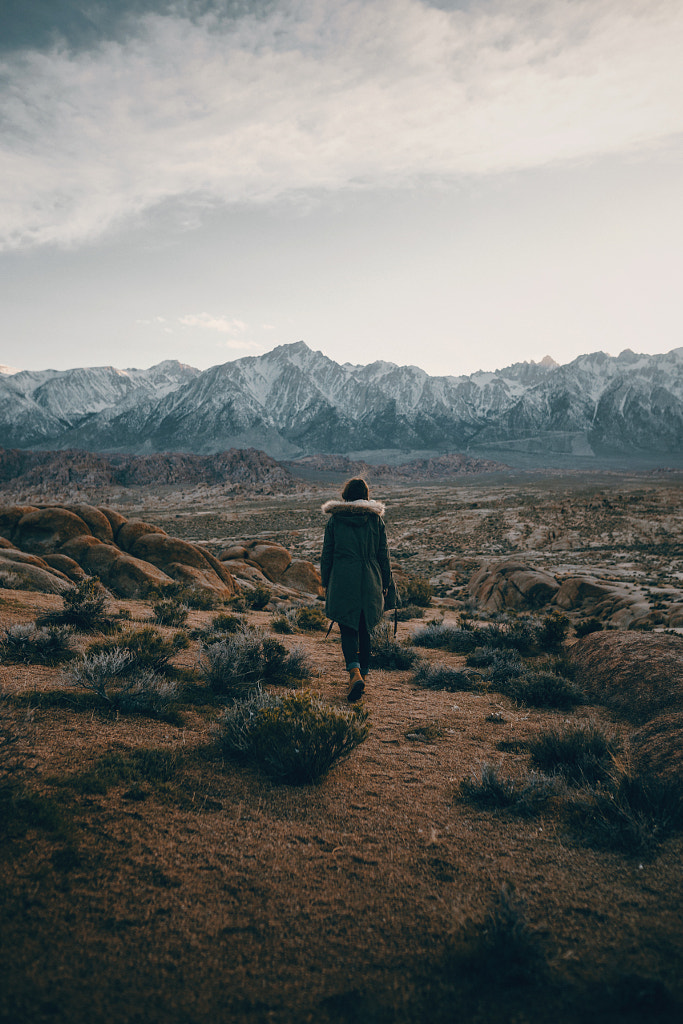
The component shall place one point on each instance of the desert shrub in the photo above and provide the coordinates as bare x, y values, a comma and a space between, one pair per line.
581, 753
242, 661
200, 599
417, 591
386, 651
501, 948
258, 598
25, 642
541, 690
108, 675
285, 622
311, 617
586, 626
84, 608
443, 677
450, 638
226, 623
295, 739
424, 732
498, 665
632, 813
520, 635
552, 632
169, 611
147, 648
491, 791
410, 611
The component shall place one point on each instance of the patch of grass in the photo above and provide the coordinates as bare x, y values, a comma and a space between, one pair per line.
28, 644
226, 623
443, 677
285, 622
147, 648
417, 591
169, 611
583, 754
108, 676
410, 611
425, 732
501, 948
498, 665
84, 608
387, 652
552, 632
449, 638
490, 791
311, 618
295, 739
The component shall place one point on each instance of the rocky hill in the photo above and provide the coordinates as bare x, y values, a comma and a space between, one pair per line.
293, 401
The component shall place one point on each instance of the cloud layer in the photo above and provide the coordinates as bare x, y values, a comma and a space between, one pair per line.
326, 95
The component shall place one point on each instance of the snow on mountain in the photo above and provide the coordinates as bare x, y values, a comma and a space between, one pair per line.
294, 400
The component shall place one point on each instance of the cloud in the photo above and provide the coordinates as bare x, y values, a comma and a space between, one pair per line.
213, 323
309, 97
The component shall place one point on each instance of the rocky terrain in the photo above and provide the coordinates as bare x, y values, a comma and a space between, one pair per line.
294, 401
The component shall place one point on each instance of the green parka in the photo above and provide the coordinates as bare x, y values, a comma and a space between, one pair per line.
355, 566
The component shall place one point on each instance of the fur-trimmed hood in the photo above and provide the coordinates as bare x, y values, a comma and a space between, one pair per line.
361, 505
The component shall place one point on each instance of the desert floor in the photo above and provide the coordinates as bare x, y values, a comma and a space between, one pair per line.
201, 891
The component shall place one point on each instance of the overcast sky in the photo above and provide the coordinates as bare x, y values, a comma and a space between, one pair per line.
458, 184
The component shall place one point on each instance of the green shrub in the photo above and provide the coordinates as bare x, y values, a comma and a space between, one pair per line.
200, 599
284, 622
541, 690
633, 813
418, 591
237, 665
443, 677
170, 612
450, 638
491, 791
258, 598
311, 617
25, 642
295, 739
552, 632
581, 753
586, 626
387, 652
226, 623
84, 608
520, 635
410, 611
147, 648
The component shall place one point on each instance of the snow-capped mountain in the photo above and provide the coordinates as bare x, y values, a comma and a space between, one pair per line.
294, 401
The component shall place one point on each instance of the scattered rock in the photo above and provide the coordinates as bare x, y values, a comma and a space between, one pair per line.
639, 675
512, 584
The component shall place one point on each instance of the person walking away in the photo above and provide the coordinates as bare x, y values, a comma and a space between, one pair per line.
356, 573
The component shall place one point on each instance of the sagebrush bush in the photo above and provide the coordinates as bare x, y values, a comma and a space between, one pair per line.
27, 643
417, 591
227, 623
633, 813
488, 789
169, 611
386, 651
285, 622
410, 611
583, 754
450, 638
501, 948
311, 617
541, 690
108, 675
295, 738
552, 632
443, 677
200, 599
257, 598
84, 608
147, 648
498, 665
586, 626
520, 635
242, 661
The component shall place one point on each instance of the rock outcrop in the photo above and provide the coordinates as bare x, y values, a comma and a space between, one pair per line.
270, 564
512, 584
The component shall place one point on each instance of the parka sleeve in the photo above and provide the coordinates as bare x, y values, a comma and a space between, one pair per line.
383, 556
327, 556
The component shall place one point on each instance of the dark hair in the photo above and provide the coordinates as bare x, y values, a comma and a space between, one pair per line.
355, 489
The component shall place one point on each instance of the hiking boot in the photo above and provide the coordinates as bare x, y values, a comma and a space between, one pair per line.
356, 684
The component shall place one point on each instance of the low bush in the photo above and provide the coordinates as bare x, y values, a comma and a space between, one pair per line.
410, 611
147, 648
311, 617
241, 662
541, 690
258, 598
552, 632
84, 608
169, 611
108, 675
449, 638
443, 677
491, 791
501, 949
285, 622
498, 665
586, 626
227, 623
200, 599
387, 652
27, 643
583, 754
633, 813
417, 591
295, 739
520, 635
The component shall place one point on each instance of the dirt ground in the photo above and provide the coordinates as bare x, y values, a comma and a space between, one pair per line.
219, 896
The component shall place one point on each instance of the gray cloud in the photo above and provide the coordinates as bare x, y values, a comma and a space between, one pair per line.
299, 98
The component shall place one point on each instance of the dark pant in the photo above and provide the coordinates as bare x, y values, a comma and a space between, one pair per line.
356, 645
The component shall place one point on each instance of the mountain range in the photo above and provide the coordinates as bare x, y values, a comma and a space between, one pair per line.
293, 402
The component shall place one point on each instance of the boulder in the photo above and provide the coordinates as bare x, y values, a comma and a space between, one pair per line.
248, 571
10, 517
47, 529
639, 675
175, 557
116, 520
657, 748
67, 565
302, 576
579, 591
512, 584
236, 551
130, 532
21, 575
95, 520
272, 558
125, 575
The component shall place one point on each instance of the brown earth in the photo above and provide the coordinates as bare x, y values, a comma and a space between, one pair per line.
217, 896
